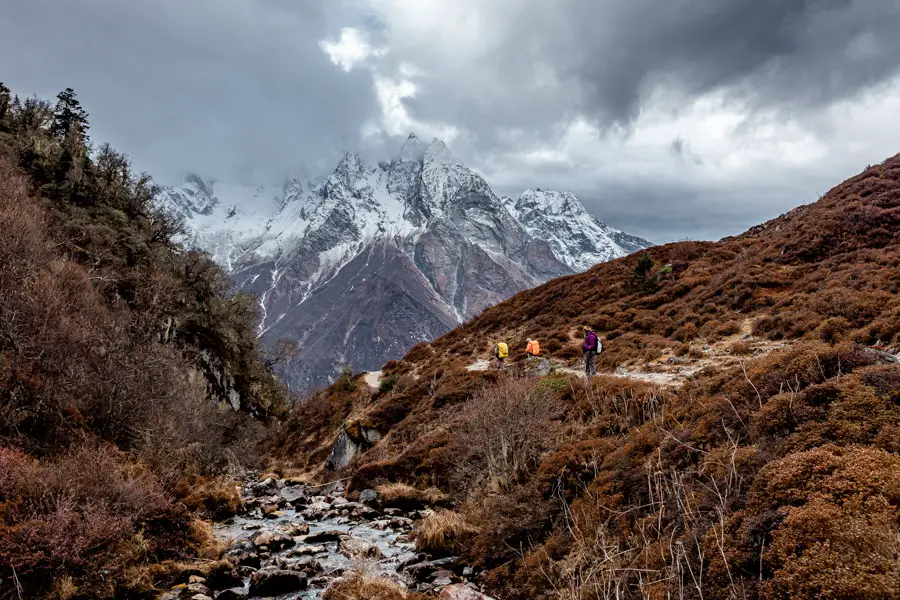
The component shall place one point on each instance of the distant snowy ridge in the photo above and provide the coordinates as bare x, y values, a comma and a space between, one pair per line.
421, 231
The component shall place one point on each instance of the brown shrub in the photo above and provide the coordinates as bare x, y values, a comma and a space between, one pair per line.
826, 525
740, 348
506, 427
833, 330
79, 516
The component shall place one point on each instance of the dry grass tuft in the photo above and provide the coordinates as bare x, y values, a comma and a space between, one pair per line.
442, 531
64, 588
403, 493
209, 547
359, 585
218, 498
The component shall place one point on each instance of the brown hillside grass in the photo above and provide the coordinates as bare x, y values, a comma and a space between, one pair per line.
774, 477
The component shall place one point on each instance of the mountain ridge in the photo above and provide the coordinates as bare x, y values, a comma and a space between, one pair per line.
437, 224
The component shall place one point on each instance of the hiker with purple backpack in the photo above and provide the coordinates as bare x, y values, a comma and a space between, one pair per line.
591, 348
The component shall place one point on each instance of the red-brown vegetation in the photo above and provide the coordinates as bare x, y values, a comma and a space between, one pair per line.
114, 437
773, 478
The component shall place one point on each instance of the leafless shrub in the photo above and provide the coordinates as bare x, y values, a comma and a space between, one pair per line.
508, 426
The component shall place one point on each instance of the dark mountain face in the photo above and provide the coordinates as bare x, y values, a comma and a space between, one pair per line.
358, 267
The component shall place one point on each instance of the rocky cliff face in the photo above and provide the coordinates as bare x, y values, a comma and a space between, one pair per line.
359, 266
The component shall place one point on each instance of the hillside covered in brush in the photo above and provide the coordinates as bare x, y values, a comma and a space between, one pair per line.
129, 375
766, 466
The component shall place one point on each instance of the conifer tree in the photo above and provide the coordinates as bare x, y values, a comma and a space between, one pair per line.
5, 103
642, 280
69, 118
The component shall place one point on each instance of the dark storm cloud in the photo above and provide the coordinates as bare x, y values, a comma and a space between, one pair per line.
604, 58
799, 53
237, 89
242, 90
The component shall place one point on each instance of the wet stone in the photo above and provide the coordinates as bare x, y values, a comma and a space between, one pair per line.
293, 494
357, 549
232, 595
368, 496
324, 536
273, 540
305, 550
294, 529
276, 582
460, 591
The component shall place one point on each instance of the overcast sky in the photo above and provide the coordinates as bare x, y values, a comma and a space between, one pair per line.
671, 119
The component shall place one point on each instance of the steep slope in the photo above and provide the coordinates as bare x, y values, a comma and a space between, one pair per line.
421, 229
128, 372
774, 475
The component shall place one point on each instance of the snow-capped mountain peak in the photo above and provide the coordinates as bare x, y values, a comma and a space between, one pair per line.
413, 149
392, 253
555, 203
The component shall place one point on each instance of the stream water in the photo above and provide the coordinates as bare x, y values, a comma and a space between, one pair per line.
293, 541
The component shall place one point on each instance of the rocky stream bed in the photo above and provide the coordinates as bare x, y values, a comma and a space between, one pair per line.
293, 540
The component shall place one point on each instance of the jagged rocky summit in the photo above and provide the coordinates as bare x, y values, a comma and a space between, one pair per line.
359, 266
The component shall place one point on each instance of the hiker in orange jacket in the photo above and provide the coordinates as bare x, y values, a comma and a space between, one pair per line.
533, 348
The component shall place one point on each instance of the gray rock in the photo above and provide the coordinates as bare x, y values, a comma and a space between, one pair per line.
357, 549
536, 367
371, 436
460, 591
196, 588
293, 494
343, 451
423, 571
294, 529
273, 540
276, 582
442, 581
232, 595
305, 550
368, 496
243, 555
320, 537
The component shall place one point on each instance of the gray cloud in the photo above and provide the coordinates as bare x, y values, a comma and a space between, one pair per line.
606, 58
241, 90
230, 88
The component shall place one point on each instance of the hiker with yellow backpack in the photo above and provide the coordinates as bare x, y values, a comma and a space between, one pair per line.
501, 351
